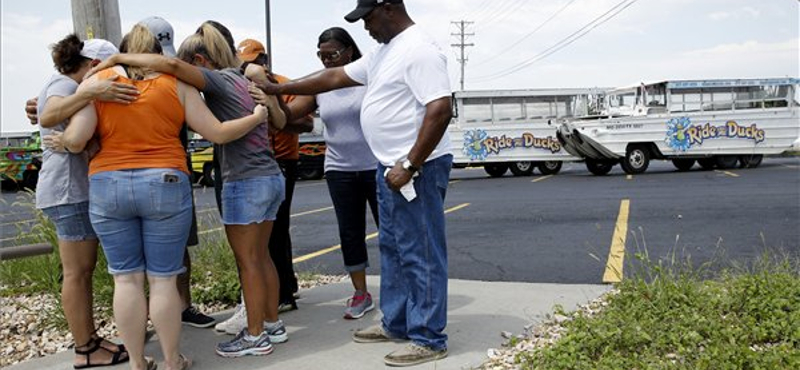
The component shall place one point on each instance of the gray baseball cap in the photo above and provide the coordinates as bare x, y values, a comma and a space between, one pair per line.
162, 30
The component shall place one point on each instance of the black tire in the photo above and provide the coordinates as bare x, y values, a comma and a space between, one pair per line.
496, 170
683, 164
750, 161
208, 174
310, 173
524, 168
29, 179
725, 162
707, 164
636, 161
550, 167
598, 167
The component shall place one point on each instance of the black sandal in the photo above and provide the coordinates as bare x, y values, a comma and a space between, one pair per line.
96, 344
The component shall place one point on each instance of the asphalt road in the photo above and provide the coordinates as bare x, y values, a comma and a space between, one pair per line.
560, 229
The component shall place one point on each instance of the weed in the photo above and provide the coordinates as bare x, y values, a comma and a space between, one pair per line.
671, 315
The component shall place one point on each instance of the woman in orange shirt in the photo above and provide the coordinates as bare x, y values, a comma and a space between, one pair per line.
140, 196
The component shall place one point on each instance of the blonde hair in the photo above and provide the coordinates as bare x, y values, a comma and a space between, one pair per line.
139, 41
209, 42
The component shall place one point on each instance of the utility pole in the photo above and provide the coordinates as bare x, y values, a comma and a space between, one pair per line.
462, 26
97, 19
269, 35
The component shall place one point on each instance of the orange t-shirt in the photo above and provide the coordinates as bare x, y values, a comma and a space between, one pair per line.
285, 144
143, 134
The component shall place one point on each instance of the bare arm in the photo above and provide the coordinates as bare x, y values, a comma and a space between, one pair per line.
59, 108
183, 71
319, 82
30, 110
201, 120
437, 116
80, 129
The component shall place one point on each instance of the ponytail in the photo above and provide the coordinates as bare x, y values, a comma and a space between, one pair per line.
139, 41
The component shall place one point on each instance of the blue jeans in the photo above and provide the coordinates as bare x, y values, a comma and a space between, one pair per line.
414, 257
142, 218
351, 192
253, 200
71, 221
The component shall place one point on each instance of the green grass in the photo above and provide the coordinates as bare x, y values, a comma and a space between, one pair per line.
674, 316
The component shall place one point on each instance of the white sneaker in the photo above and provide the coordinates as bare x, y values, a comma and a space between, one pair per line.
235, 323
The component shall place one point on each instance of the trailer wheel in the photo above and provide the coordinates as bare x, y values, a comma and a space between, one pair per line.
725, 162
707, 164
636, 160
550, 167
30, 178
523, 168
599, 167
750, 161
496, 170
310, 173
208, 174
683, 164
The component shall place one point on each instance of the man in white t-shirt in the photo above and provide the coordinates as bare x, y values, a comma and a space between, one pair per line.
404, 116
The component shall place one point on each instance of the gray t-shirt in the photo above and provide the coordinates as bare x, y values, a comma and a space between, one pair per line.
250, 156
346, 148
64, 177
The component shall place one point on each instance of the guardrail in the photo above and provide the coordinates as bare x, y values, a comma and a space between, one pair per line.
28, 250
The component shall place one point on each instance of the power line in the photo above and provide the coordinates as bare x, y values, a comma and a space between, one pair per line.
527, 35
502, 14
462, 27
616, 10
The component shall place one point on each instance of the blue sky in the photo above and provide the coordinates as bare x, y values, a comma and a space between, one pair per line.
648, 40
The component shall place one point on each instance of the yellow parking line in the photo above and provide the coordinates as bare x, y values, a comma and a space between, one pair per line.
541, 178
370, 236
616, 255
729, 173
311, 212
791, 166
454, 182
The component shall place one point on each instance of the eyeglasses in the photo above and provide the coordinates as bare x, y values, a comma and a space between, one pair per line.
333, 57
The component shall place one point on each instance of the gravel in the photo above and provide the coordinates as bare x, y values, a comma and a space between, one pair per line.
536, 336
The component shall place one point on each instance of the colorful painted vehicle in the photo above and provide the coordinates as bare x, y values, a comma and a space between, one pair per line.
311, 165
20, 162
716, 123
202, 155
515, 129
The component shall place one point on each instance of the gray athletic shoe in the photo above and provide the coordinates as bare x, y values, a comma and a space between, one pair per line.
359, 305
414, 354
276, 331
240, 346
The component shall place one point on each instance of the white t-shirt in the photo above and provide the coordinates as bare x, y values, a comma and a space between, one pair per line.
402, 77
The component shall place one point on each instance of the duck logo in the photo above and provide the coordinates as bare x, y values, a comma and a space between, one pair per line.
474, 147
677, 138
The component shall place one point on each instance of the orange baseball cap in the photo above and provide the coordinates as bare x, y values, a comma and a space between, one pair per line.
250, 49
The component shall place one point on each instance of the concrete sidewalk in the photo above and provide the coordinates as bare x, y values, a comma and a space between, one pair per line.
319, 338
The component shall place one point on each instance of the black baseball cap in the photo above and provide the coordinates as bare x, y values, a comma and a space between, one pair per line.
365, 6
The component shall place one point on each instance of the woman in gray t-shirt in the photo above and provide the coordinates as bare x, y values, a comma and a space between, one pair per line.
349, 164
62, 189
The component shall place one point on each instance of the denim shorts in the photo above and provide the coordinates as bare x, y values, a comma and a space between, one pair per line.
253, 200
72, 221
143, 218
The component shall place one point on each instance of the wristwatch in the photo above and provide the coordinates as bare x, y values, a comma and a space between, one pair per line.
409, 167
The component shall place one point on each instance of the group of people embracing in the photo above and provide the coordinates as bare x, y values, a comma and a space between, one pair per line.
115, 169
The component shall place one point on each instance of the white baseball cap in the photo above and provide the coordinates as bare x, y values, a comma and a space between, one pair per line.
98, 49
162, 30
